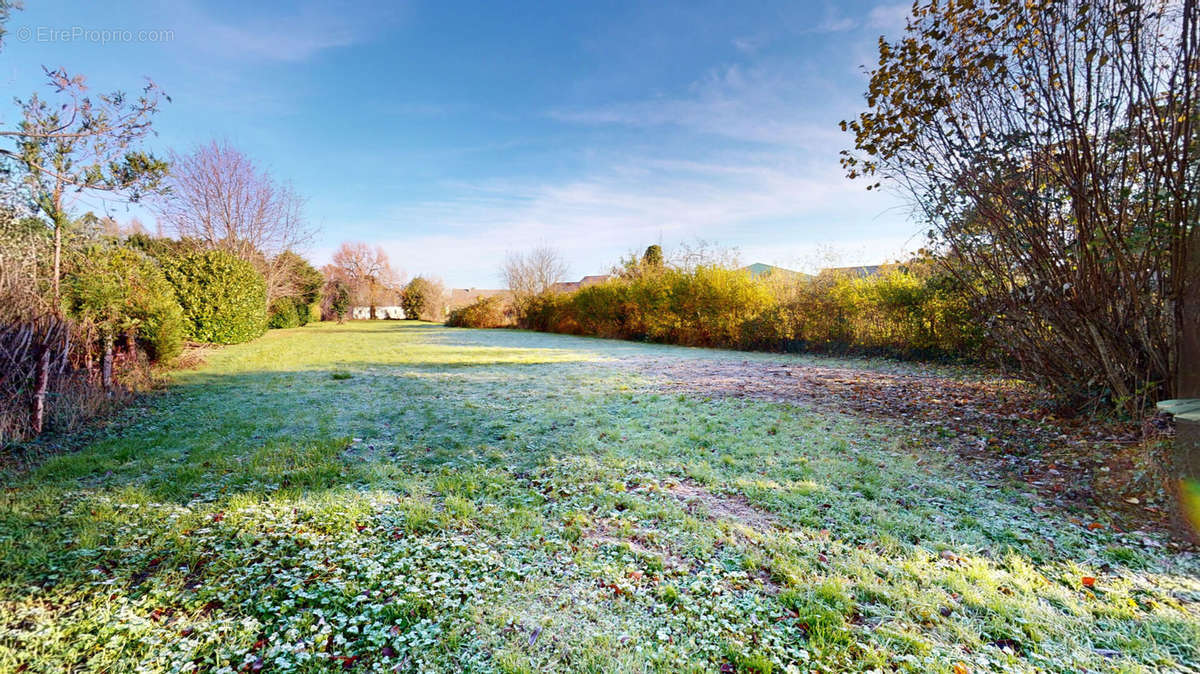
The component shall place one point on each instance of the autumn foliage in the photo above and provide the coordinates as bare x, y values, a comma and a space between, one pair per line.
905, 311
1052, 148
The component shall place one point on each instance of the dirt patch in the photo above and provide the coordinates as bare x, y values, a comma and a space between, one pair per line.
734, 508
641, 542
1001, 429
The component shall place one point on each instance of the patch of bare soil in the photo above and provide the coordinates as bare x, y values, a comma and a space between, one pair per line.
1002, 430
735, 508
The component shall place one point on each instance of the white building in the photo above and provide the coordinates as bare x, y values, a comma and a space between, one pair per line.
390, 313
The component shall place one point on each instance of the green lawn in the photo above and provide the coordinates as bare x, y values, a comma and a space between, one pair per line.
408, 497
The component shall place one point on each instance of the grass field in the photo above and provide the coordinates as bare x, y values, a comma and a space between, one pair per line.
408, 497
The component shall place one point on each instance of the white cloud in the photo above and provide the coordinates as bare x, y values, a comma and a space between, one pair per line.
296, 34
746, 156
749, 44
770, 207
889, 18
746, 104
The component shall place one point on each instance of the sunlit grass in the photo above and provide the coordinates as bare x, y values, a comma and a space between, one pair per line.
388, 496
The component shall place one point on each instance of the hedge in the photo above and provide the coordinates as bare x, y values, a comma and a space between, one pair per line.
909, 311
224, 299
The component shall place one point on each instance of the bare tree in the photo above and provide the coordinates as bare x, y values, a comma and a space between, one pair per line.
220, 197
688, 256
530, 274
1052, 146
367, 271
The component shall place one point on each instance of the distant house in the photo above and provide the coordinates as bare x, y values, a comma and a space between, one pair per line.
759, 269
861, 271
461, 297
594, 279
384, 313
572, 286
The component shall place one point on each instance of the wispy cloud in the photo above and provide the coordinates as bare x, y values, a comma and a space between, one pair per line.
769, 207
750, 44
294, 34
742, 156
889, 17
739, 102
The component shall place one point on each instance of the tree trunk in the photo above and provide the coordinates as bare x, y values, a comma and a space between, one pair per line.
57, 217
41, 383
57, 258
106, 364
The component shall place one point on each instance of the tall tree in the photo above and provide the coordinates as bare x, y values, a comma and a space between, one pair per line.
220, 197
83, 144
368, 273
1052, 145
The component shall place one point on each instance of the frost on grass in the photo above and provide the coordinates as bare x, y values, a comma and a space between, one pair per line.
735, 508
504, 501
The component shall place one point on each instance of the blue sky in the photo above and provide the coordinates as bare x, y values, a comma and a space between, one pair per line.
451, 133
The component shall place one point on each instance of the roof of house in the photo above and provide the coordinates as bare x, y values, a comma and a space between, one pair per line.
565, 286
760, 269
461, 297
572, 286
860, 271
593, 280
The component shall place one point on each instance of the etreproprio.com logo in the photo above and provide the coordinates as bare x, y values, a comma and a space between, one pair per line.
94, 35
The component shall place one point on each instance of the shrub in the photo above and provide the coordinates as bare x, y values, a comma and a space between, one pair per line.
485, 312
336, 300
298, 287
283, 314
550, 312
163, 248
224, 299
606, 310
908, 311
119, 291
415, 297
305, 283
